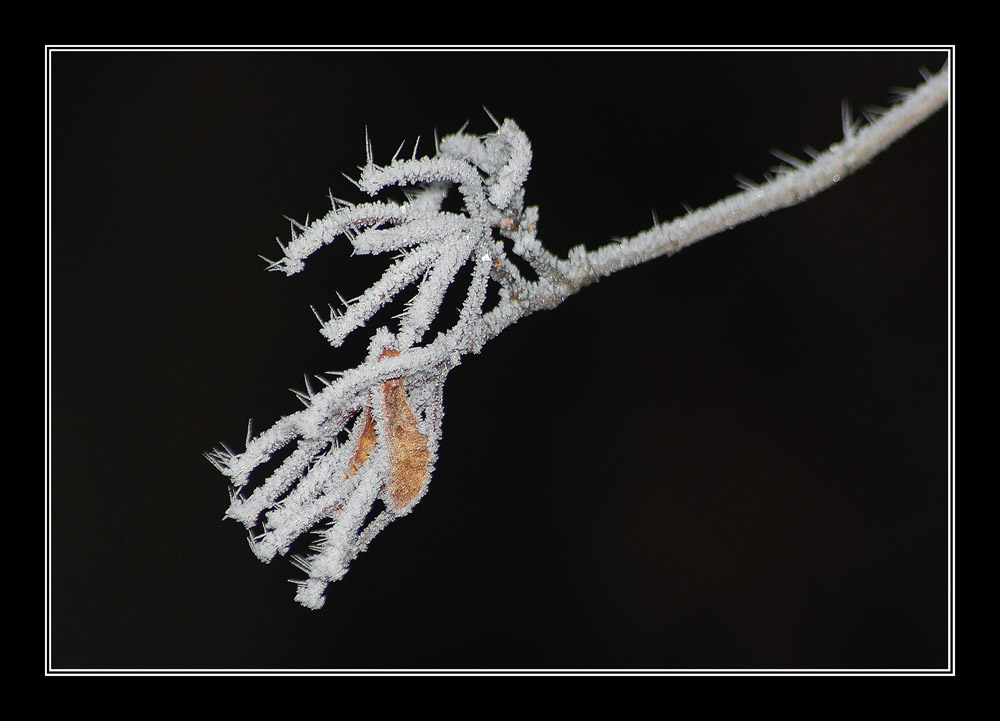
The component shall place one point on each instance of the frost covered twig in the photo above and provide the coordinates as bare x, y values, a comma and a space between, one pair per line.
362, 451
796, 181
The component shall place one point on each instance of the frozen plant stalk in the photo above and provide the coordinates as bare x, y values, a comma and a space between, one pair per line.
372, 434
369, 438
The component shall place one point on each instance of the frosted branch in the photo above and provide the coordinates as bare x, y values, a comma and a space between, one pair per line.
362, 451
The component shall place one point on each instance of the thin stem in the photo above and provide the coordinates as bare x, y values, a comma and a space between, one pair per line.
790, 188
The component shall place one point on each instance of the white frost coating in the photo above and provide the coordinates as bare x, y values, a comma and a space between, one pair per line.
372, 434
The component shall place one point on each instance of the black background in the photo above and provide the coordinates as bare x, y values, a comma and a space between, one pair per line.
735, 458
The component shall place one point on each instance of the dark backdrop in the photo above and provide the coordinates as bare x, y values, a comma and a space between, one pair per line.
734, 458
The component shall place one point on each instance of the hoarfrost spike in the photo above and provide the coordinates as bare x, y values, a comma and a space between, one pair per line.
398, 151
490, 116
788, 158
849, 125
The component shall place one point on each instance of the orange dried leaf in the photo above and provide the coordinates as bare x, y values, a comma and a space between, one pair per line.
409, 454
362, 447
408, 451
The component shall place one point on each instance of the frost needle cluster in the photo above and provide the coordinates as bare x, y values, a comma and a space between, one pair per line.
368, 440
